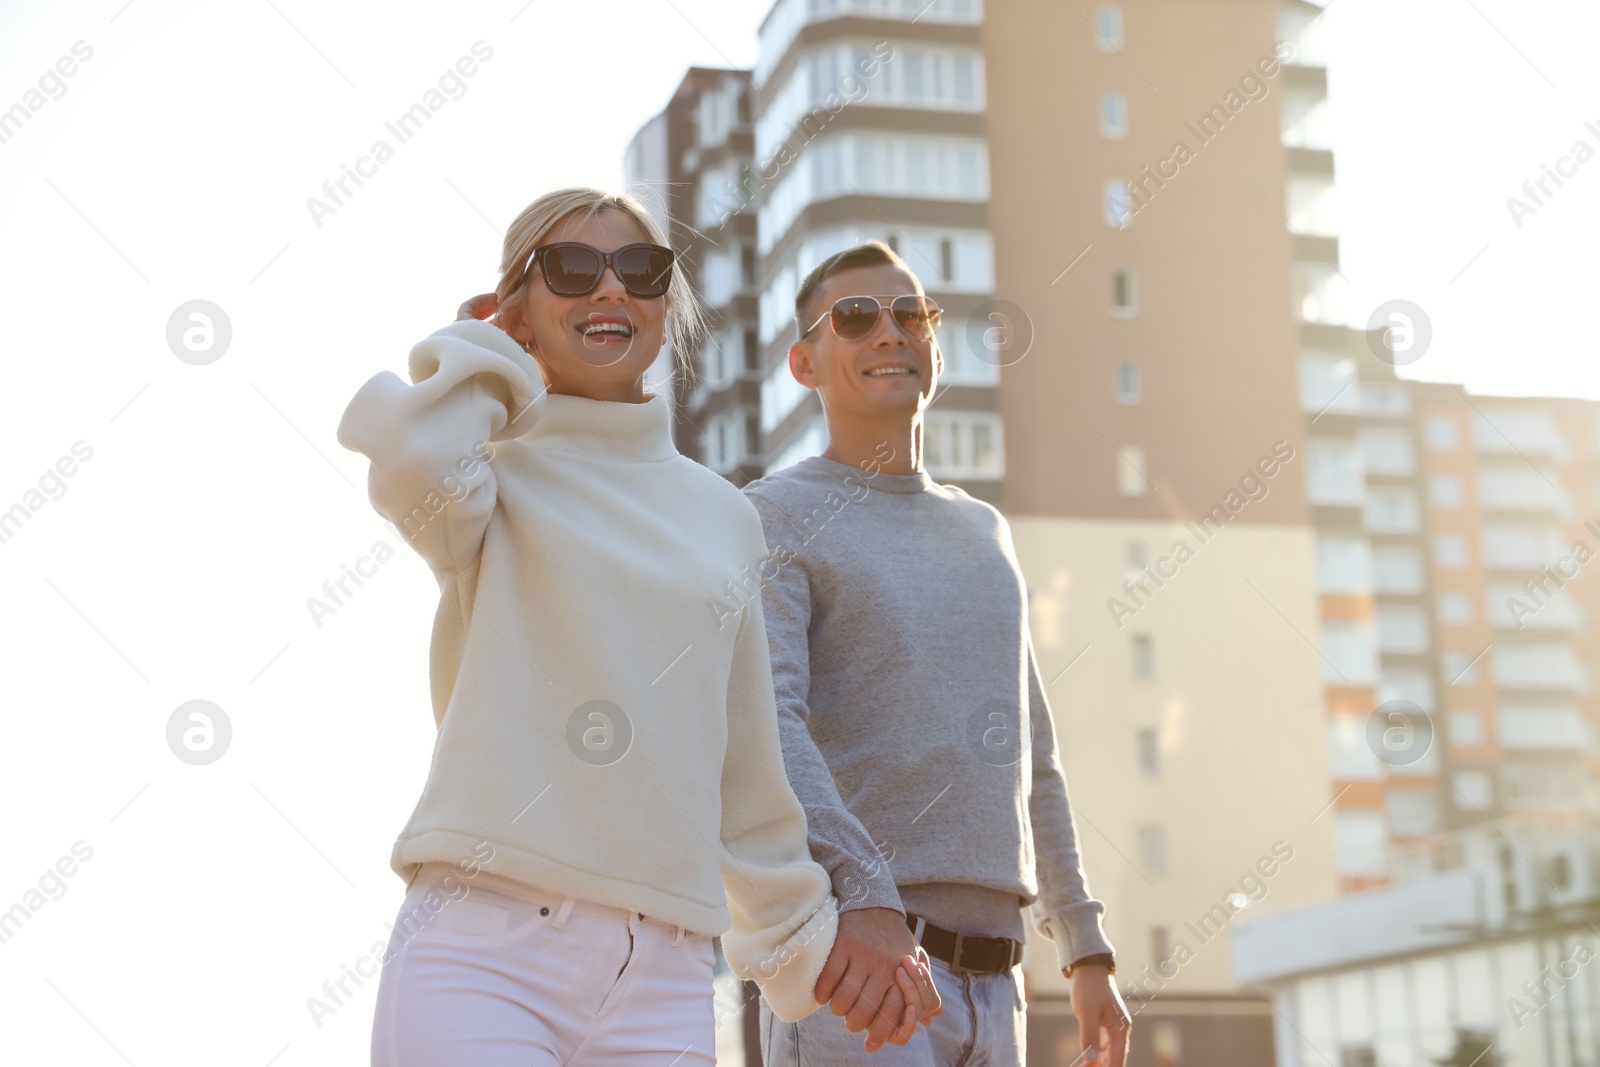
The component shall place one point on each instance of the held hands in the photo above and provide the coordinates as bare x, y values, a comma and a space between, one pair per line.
1103, 1022
877, 978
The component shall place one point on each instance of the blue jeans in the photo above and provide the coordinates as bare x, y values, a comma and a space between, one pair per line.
984, 1024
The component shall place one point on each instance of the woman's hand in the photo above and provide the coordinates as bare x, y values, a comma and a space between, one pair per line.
479, 307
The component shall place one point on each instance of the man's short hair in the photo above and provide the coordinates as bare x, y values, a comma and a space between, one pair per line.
871, 254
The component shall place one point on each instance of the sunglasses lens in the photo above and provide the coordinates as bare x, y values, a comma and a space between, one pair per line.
855, 316
571, 271
644, 270
917, 315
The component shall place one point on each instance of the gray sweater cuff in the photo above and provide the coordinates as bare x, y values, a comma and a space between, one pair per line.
855, 890
1075, 929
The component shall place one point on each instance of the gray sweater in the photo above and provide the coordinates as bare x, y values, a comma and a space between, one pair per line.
915, 730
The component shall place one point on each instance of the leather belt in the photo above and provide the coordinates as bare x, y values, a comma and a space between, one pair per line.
965, 953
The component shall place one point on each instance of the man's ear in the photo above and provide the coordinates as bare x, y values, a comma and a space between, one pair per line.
800, 365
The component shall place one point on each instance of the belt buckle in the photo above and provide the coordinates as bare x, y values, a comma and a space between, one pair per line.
955, 957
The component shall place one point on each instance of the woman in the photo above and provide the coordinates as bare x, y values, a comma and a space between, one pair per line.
607, 790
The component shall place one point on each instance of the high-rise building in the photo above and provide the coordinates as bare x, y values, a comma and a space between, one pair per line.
1149, 172
681, 164
1453, 534
869, 124
1308, 628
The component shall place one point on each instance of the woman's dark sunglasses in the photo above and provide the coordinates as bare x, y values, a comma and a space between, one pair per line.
571, 268
855, 316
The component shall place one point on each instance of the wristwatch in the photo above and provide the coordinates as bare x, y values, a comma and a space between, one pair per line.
1103, 959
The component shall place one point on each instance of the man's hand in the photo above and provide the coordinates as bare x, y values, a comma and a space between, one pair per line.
1103, 1022
479, 307
859, 980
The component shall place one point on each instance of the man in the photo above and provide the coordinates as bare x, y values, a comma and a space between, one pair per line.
915, 729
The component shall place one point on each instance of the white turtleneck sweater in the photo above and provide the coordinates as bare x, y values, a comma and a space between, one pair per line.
606, 722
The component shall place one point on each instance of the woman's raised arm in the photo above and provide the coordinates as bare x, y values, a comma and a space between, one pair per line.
431, 442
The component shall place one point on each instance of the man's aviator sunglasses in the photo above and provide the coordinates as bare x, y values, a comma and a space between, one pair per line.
571, 268
855, 316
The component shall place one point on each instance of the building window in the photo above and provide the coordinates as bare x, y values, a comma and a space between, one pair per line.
1386, 451
1334, 471
1349, 652
752, 433
1401, 628
752, 351
1119, 210
747, 266
1471, 789
1131, 480
1160, 944
1153, 849
1149, 753
1450, 550
1444, 491
1466, 729
963, 445
1144, 657
1442, 433
963, 69
894, 243
1167, 1044
1455, 608
1459, 668
1113, 116
1108, 27
1124, 293
1396, 569
1344, 565
947, 256
1127, 382
1391, 509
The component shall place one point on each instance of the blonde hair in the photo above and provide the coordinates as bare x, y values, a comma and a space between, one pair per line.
686, 326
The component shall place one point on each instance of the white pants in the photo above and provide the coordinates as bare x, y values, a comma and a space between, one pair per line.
512, 976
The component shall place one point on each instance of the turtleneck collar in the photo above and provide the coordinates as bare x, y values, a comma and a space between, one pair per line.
617, 429
919, 482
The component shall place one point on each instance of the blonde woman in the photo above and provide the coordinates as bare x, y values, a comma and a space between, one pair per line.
607, 790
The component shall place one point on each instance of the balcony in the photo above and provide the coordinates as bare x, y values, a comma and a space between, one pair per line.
1545, 665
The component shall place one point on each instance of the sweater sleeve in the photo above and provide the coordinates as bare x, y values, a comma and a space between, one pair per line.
1064, 910
839, 841
430, 441
784, 918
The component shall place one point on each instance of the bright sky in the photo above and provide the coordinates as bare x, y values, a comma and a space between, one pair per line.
175, 562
